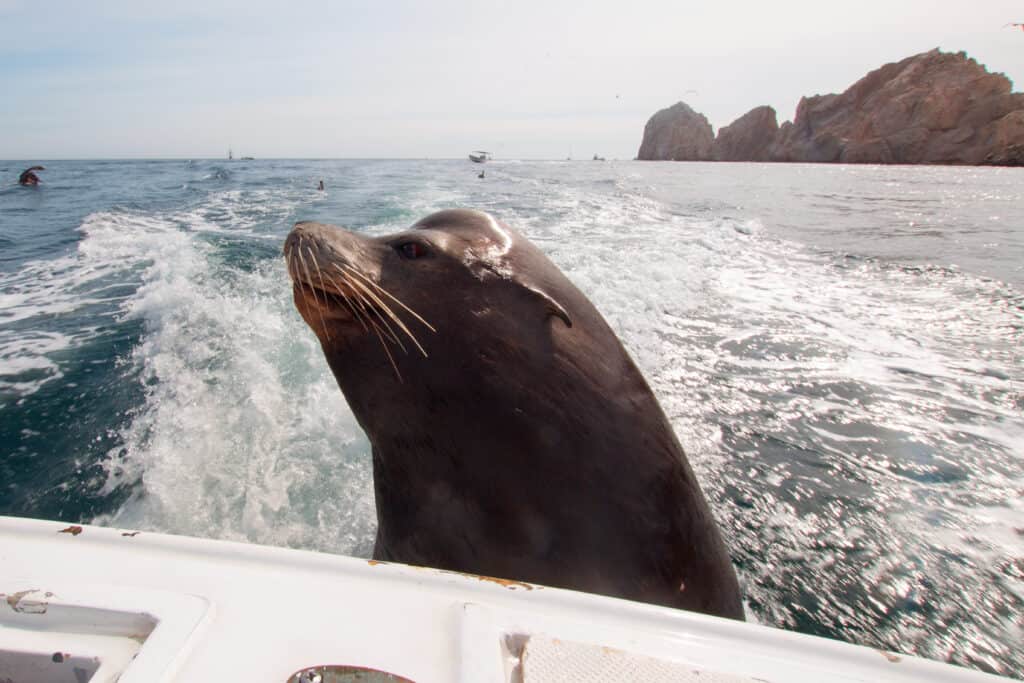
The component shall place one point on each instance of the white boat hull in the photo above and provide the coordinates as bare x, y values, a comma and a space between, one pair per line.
152, 607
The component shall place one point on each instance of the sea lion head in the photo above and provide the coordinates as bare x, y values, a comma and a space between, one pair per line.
457, 280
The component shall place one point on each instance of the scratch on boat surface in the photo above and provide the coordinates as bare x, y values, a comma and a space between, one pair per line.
507, 583
15, 601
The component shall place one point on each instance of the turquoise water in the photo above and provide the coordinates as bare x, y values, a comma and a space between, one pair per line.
838, 348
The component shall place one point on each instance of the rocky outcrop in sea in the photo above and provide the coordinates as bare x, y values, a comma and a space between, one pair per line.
748, 138
932, 108
677, 133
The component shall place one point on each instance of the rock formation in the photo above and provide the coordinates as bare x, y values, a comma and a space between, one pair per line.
748, 138
932, 108
677, 134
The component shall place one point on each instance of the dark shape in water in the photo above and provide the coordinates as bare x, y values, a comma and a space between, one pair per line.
28, 178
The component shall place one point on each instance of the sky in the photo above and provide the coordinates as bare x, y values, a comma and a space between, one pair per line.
439, 78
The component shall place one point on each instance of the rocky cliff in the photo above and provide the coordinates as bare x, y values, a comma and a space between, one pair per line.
677, 134
932, 108
748, 138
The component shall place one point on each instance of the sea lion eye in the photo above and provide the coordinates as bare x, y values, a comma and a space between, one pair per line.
412, 250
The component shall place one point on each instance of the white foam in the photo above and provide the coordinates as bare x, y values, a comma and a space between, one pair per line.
27, 354
242, 213
91, 279
244, 434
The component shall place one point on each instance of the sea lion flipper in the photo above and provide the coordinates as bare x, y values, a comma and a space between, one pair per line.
553, 307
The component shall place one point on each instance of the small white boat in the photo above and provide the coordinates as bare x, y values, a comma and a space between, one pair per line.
81, 603
479, 156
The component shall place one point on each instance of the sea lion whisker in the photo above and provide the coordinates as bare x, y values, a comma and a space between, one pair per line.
390, 331
289, 260
347, 303
392, 297
361, 303
309, 280
391, 314
373, 310
391, 359
381, 305
389, 334
354, 296
312, 258
366, 303
323, 287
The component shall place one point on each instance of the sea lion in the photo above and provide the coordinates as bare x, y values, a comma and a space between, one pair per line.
28, 178
512, 434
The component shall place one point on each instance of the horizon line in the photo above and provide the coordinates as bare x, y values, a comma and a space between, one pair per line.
274, 158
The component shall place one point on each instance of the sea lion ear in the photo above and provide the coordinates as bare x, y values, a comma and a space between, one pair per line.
553, 307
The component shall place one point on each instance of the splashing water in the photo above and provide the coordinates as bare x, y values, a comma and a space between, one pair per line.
838, 348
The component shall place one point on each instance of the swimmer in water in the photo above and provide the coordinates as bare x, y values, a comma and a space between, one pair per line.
28, 178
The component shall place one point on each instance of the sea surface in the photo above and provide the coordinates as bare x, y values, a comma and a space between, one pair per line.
839, 348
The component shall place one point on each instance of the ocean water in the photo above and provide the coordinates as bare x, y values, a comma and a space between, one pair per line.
839, 349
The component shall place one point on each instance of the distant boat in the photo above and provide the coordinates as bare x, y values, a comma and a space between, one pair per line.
230, 155
479, 156
597, 158
247, 159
